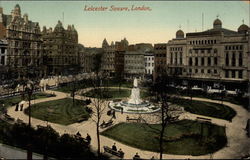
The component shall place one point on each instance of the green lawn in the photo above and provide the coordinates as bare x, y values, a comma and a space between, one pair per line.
182, 138
114, 93
205, 108
60, 111
14, 100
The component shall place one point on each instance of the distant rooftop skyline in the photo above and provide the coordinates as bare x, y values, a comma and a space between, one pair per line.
156, 26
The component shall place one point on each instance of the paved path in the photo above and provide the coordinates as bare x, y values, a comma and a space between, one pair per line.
238, 143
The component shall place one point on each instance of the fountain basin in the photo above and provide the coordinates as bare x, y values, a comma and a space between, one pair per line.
143, 108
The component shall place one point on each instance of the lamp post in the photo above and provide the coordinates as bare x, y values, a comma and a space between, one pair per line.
29, 90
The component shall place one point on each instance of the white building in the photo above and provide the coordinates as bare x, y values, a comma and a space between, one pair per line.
149, 63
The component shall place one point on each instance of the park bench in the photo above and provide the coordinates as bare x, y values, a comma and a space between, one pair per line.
106, 124
203, 119
111, 151
138, 120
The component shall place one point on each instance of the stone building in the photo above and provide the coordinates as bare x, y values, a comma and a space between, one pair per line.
160, 54
149, 64
3, 52
134, 64
25, 54
61, 49
217, 55
3, 58
108, 59
89, 57
176, 56
112, 59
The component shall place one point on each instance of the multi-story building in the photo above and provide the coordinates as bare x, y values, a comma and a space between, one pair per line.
3, 58
89, 57
176, 50
61, 49
108, 59
81, 50
134, 64
24, 44
160, 54
3, 52
149, 64
212, 56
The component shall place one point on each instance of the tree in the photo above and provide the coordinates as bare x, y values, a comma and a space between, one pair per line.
99, 103
159, 91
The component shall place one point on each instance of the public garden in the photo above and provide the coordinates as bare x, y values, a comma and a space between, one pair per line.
203, 128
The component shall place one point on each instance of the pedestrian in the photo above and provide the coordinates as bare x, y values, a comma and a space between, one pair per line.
88, 138
21, 109
122, 110
78, 134
121, 152
17, 107
136, 156
114, 147
114, 114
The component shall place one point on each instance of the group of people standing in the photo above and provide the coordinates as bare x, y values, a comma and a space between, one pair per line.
17, 107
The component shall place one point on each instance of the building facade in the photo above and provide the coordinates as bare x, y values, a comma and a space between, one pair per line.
112, 59
3, 52
89, 57
134, 64
108, 59
25, 54
160, 57
149, 64
212, 56
61, 49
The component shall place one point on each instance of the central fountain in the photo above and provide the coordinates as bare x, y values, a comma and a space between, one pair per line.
134, 104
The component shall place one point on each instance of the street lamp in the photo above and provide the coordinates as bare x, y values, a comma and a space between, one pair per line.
29, 90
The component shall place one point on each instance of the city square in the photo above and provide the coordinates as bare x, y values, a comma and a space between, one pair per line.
185, 98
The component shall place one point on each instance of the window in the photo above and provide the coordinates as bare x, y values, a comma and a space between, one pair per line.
202, 70
209, 61
227, 59
215, 50
240, 59
202, 61
190, 61
202, 51
240, 74
233, 74
196, 51
196, 70
196, 61
208, 71
233, 59
175, 57
190, 70
215, 61
215, 71
226, 74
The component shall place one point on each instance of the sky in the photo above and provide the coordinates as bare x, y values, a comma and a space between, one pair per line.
156, 26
